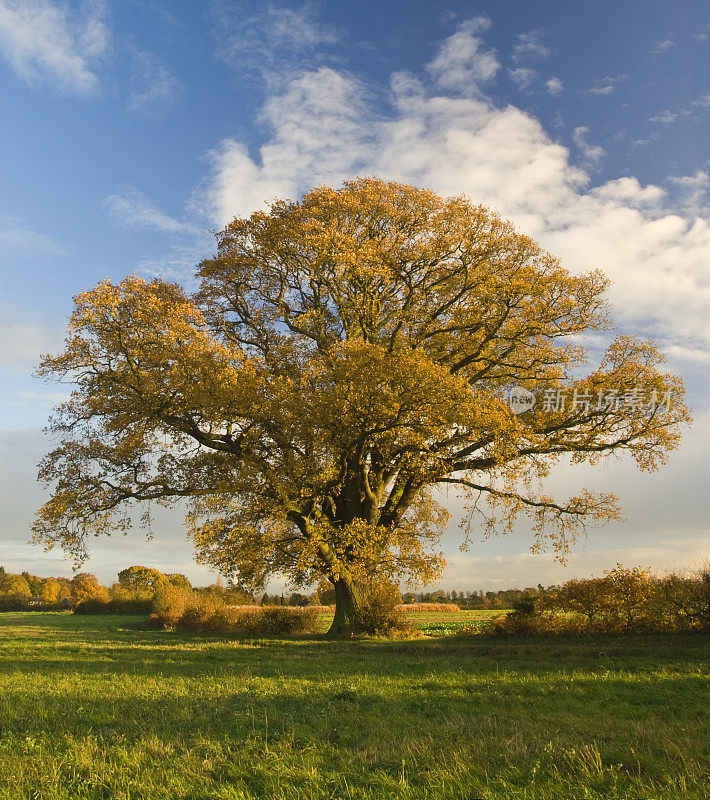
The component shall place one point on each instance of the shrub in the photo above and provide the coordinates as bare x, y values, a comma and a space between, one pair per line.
210, 615
13, 602
683, 601
93, 605
168, 605
539, 624
131, 601
284, 619
624, 600
128, 605
381, 608
194, 611
526, 605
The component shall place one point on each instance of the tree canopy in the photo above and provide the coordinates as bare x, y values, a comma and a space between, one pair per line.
346, 357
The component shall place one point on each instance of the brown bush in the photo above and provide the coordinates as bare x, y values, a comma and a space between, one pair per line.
192, 611
429, 607
623, 601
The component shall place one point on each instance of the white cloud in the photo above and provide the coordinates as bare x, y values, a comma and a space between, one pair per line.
530, 46
17, 240
703, 101
44, 40
269, 38
688, 354
464, 61
664, 118
602, 89
694, 193
662, 47
323, 127
606, 86
153, 86
592, 153
522, 76
554, 85
133, 210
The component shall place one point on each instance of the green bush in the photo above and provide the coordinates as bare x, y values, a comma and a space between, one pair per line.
283, 619
527, 604
380, 608
93, 605
130, 606
168, 605
207, 614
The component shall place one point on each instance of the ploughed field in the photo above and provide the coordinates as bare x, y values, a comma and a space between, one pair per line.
104, 707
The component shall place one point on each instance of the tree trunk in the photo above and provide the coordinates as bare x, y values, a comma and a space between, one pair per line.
347, 609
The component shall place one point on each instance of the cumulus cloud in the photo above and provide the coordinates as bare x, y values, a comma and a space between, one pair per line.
44, 40
530, 46
554, 86
323, 126
693, 192
522, 76
591, 153
153, 86
464, 60
664, 118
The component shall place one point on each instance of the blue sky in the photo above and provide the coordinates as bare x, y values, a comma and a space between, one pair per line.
129, 131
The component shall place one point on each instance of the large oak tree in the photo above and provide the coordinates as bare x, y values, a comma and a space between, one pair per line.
345, 358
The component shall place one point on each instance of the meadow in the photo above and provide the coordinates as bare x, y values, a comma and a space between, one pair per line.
100, 706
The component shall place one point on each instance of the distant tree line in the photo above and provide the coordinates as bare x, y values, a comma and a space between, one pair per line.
26, 591
621, 599
133, 591
468, 600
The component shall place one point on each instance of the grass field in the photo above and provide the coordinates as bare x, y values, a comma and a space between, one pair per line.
97, 707
433, 622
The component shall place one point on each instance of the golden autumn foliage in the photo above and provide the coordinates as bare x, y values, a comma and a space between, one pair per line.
344, 357
624, 599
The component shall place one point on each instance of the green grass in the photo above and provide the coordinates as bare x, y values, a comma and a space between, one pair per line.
96, 707
436, 623
446, 623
